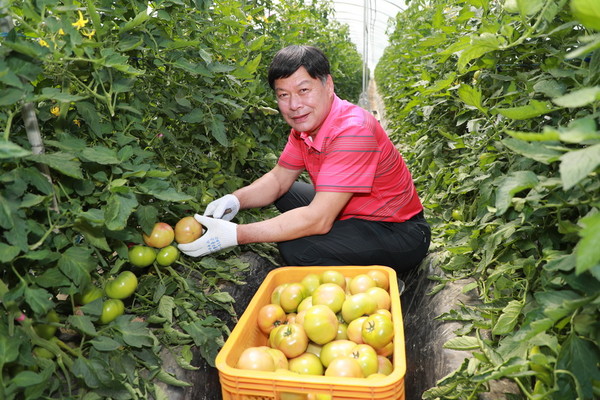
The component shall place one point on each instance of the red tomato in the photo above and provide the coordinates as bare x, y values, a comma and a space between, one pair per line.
122, 286
360, 283
334, 349
358, 305
161, 236
257, 359
378, 331
344, 366
330, 294
306, 364
187, 229
320, 324
290, 339
291, 296
141, 256
366, 357
270, 316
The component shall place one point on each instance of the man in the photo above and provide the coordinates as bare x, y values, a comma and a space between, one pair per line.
362, 207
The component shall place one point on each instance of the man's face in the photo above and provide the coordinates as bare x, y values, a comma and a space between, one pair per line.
304, 101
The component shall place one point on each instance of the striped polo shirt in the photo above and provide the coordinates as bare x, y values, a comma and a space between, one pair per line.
352, 153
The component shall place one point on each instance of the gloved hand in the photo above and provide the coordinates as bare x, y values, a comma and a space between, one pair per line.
225, 207
219, 235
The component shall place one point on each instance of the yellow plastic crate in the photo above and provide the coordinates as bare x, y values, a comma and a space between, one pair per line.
258, 385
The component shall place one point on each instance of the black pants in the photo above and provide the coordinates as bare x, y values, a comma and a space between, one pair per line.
400, 245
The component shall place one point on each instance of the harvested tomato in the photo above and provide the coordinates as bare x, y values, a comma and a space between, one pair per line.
161, 236
257, 359
378, 331
306, 364
187, 229
320, 324
344, 366
291, 339
270, 316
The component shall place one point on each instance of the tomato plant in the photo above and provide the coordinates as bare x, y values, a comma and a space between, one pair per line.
111, 309
141, 256
122, 286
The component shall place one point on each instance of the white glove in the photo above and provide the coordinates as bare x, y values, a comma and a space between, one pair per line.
225, 207
219, 235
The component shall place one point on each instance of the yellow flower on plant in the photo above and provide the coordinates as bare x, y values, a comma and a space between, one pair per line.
43, 43
61, 32
77, 122
89, 34
55, 111
81, 22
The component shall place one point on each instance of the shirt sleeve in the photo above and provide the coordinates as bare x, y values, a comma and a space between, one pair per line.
291, 156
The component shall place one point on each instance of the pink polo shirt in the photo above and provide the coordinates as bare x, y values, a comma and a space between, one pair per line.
352, 153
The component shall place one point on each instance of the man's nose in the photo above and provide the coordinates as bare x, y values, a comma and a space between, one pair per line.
295, 102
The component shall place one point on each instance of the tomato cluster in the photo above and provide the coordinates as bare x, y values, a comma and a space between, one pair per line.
327, 324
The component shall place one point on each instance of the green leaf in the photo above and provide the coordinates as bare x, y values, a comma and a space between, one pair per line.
77, 263
83, 323
441, 84
92, 234
56, 94
587, 251
508, 318
162, 190
146, 217
134, 333
92, 371
10, 96
118, 209
139, 19
27, 379
534, 109
580, 357
166, 305
471, 96
8, 350
104, 343
578, 164
38, 299
12, 150
62, 162
579, 98
101, 155
217, 130
536, 151
169, 379
479, 46
511, 185
579, 131
462, 343
8, 253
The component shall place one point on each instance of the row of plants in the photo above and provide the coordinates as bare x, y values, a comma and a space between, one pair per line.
117, 115
496, 107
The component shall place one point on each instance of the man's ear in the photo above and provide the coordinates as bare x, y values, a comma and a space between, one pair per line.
330, 85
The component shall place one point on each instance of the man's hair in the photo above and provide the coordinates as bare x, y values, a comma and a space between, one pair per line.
289, 59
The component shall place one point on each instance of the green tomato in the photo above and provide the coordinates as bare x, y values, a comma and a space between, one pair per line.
111, 309
41, 352
122, 286
88, 295
47, 331
167, 255
141, 256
